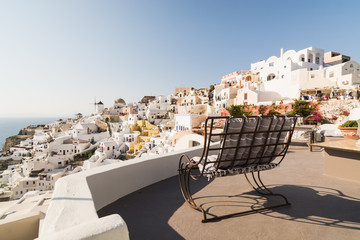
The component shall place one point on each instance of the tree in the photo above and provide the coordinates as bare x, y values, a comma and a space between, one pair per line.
262, 109
239, 110
302, 108
211, 88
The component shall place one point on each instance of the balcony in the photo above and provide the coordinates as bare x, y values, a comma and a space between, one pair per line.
145, 193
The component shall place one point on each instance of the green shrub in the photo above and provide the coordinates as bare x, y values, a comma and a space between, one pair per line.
273, 112
262, 109
85, 155
239, 110
350, 124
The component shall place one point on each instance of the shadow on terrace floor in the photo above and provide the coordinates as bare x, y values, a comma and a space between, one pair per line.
319, 205
148, 210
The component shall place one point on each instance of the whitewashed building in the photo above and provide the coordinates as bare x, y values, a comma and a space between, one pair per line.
277, 73
224, 96
248, 95
185, 122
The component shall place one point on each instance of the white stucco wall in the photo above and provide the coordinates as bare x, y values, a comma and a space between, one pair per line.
187, 141
77, 197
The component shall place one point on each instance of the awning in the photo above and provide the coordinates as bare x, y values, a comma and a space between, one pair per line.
319, 84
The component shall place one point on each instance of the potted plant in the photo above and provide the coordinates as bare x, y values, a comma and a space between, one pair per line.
349, 129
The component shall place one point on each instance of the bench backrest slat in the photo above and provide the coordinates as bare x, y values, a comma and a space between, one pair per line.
249, 140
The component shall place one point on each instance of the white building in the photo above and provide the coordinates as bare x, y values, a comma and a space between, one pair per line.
248, 95
277, 73
343, 76
99, 107
132, 119
184, 122
141, 111
161, 102
224, 96
71, 147
306, 69
43, 182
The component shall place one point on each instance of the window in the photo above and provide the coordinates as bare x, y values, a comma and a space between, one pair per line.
317, 60
331, 74
33, 182
351, 65
270, 76
27, 183
312, 76
311, 69
245, 96
303, 59
271, 64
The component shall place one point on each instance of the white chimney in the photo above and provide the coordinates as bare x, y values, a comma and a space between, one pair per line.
281, 52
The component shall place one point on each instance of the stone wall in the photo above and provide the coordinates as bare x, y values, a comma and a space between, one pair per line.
335, 107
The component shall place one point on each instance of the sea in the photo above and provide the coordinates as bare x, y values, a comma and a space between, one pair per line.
12, 126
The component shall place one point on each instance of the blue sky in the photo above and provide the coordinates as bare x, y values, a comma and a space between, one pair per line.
56, 56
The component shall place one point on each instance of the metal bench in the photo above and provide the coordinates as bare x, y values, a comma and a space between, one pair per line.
247, 145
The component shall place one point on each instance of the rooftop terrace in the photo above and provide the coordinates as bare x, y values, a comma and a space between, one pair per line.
323, 207
141, 199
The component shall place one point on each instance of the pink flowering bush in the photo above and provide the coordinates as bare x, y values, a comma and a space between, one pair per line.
315, 118
334, 117
344, 113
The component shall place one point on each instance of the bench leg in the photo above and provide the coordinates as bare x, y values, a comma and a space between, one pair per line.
184, 181
260, 188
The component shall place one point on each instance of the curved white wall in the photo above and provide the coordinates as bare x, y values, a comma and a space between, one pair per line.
77, 197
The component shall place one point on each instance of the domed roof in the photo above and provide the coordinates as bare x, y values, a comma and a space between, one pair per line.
120, 101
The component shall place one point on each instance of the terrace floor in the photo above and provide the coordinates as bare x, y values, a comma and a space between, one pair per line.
323, 207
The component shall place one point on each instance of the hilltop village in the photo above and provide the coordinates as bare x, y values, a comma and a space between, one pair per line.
162, 124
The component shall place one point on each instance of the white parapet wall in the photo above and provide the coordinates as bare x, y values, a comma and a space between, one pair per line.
24, 226
78, 197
